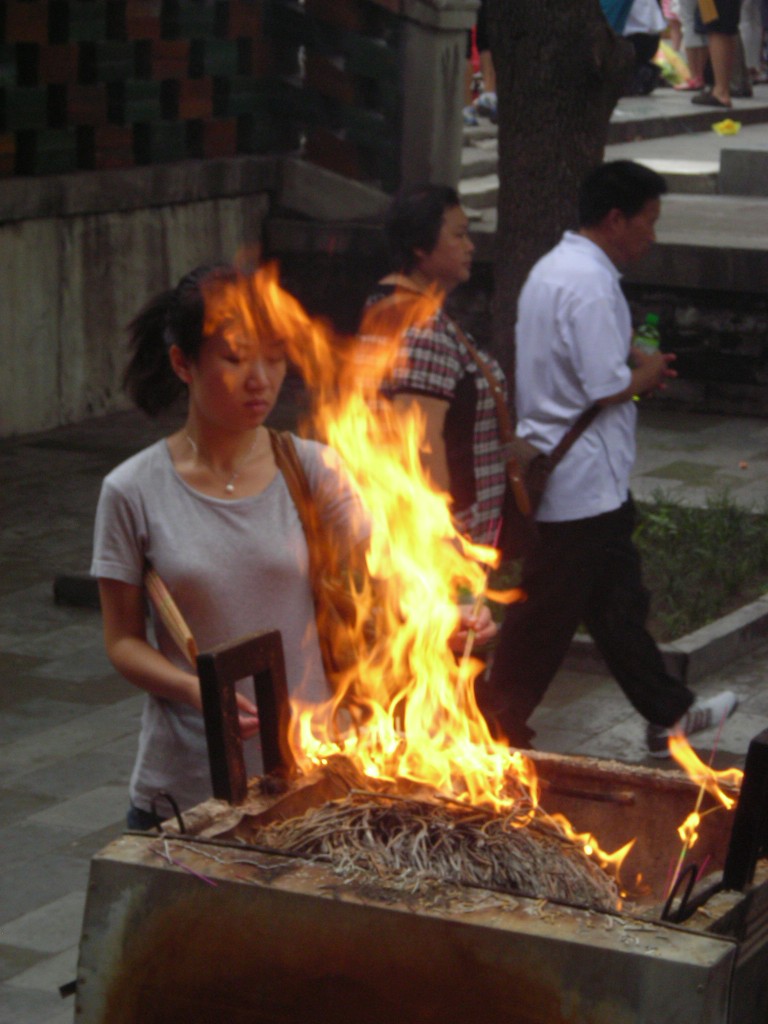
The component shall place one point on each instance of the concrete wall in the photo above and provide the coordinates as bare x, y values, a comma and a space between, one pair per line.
73, 276
81, 253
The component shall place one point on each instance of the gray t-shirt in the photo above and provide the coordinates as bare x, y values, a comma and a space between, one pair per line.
233, 567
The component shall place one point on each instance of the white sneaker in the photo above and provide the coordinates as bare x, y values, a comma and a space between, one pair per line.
487, 105
701, 715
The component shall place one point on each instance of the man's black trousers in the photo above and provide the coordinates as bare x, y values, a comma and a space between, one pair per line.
582, 571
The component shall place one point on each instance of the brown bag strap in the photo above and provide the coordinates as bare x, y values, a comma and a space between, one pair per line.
289, 464
506, 429
505, 420
572, 433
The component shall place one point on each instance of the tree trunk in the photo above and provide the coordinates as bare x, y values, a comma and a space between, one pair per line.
559, 70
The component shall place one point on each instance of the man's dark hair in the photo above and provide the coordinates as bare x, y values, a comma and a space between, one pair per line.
619, 185
414, 220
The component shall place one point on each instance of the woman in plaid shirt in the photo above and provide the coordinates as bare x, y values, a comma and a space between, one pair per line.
431, 250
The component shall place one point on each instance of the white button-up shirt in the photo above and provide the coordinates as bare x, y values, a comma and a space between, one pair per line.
573, 339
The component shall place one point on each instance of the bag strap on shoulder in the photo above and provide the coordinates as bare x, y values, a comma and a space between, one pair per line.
289, 464
505, 420
506, 430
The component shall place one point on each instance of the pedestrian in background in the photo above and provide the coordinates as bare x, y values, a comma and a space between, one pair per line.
752, 27
718, 20
574, 351
671, 11
456, 387
643, 28
486, 103
695, 47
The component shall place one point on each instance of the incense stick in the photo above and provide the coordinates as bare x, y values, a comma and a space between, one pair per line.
172, 618
687, 841
477, 607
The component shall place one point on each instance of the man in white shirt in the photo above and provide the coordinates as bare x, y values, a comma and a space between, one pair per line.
574, 350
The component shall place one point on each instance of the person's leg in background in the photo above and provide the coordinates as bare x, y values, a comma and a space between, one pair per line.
741, 79
751, 30
536, 633
722, 34
722, 55
671, 9
646, 74
470, 112
487, 104
695, 47
616, 617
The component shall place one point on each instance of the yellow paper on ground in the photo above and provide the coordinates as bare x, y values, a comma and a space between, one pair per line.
727, 127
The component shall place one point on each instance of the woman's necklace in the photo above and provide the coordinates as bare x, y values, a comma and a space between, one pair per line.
229, 486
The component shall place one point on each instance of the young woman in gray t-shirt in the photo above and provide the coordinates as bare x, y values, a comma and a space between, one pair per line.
208, 509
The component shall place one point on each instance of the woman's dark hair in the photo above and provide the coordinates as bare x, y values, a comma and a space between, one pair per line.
414, 220
618, 185
174, 317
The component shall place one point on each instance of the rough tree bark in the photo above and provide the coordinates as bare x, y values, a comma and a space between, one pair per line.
559, 70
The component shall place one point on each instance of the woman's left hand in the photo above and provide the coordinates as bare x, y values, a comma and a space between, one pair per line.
482, 625
248, 716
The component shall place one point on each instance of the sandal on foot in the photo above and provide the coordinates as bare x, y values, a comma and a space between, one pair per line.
708, 99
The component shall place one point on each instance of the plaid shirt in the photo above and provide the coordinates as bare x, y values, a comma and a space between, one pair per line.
433, 361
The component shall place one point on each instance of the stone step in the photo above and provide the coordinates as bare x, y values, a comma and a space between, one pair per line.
744, 172
688, 177
480, 159
713, 233
664, 131
479, 193
709, 242
703, 242
662, 116
480, 171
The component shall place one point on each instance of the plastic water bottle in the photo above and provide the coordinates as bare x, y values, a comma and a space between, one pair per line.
647, 336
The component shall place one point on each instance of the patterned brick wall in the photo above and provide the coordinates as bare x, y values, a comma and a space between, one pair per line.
352, 91
86, 84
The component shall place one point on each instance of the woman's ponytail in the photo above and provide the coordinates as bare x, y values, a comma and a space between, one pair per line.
174, 317
149, 378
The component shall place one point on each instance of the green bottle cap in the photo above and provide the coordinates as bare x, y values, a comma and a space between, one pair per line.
652, 319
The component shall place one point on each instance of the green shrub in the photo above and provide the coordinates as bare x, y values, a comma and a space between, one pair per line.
700, 563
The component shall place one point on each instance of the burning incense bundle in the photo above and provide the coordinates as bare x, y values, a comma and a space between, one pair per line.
172, 618
419, 844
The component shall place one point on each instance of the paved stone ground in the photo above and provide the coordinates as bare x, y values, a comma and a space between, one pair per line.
69, 724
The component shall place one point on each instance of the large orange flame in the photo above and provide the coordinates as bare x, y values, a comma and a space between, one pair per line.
406, 710
709, 781
704, 775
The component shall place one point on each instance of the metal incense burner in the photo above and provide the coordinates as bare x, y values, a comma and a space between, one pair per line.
193, 926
